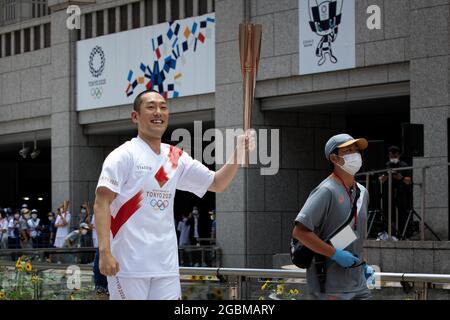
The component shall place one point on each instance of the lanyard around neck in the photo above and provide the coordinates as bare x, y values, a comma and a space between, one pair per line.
355, 213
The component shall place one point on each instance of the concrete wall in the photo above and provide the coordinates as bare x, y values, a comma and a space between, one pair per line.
430, 103
25, 92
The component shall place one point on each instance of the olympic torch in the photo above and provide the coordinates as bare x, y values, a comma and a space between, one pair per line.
249, 47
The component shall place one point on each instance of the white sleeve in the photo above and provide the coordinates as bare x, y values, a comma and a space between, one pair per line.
196, 177
115, 170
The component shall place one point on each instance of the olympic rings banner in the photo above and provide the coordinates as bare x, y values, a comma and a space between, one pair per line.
177, 59
327, 35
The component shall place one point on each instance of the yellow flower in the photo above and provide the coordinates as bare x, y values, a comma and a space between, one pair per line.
19, 268
280, 289
2, 295
261, 298
28, 266
18, 262
294, 292
72, 297
201, 278
265, 285
34, 279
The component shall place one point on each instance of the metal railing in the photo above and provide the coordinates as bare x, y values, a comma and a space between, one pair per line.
238, 283
422, 186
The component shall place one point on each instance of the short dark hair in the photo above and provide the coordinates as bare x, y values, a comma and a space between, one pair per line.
138, 100
336, 152
394, 149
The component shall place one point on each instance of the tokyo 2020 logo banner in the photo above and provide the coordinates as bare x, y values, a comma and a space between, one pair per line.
327, 35
175, 58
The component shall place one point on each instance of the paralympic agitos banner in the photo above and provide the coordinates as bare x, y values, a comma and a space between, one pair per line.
177, 59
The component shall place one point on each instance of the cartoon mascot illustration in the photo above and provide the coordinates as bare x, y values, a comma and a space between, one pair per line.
325, 17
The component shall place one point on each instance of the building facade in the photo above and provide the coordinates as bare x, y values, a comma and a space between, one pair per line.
400, 75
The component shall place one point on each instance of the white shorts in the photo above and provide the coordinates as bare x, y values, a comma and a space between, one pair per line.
159, 288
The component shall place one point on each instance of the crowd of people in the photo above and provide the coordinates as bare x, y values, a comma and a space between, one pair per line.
26, 228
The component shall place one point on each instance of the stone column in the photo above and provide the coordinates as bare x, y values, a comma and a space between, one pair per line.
429, 54
75, 164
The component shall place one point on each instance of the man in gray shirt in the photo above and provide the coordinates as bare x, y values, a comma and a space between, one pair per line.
326, 209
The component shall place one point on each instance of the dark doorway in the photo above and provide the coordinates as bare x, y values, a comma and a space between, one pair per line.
26, 180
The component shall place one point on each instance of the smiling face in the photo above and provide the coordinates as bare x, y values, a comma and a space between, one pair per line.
152, 115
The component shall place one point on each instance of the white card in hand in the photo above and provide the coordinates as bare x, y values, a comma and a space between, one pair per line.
344, 238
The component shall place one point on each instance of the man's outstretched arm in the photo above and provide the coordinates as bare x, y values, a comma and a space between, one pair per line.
226, 174
103, 199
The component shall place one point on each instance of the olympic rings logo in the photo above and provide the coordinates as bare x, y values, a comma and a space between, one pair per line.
96, 72
159, 204
96, 92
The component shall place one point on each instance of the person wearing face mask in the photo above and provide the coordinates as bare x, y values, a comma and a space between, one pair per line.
337, 273
73, 239
401, 189
184, 229
34, 228
25, 240
85, 217
49, 231
62, 224
194, 236
14, 231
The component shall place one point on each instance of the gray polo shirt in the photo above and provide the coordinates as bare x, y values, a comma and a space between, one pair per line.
327, 208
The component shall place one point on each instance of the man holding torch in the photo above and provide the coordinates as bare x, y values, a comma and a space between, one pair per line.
134, 203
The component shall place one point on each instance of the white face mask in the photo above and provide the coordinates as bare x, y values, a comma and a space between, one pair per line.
353, 163
50, 218
83, 210
84, 232
394, 160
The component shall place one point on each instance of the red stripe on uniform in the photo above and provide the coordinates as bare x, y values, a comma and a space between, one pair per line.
126, 211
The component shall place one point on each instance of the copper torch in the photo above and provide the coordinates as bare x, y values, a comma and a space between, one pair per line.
249, 47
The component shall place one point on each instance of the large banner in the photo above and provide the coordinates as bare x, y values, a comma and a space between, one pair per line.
327, 35
177, 59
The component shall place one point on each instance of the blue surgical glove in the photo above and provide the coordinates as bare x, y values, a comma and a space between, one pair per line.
344, 258
368, 271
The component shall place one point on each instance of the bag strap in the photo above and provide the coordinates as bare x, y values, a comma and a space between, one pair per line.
353, 211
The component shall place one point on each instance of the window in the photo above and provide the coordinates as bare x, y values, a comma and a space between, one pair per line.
202, 7
8, 44
161, 11
47, 35
175, 8
123, 18
100, 23
148, 12
37, 37
27, 40
111, 20
188, 8
135, 15
16, 42
88, 26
